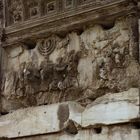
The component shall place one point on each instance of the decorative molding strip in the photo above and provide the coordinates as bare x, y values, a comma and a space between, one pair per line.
55, 16
18, 11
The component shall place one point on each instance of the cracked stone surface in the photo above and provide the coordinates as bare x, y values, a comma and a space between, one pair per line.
69, 69
112, 109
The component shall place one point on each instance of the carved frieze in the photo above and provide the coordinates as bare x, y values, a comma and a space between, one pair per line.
42, 17
22, 10
71, 67
65, 56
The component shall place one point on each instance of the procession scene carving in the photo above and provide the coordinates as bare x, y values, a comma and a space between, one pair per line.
69, 69
79, 67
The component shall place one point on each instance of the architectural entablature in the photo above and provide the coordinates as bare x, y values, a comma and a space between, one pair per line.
39, 18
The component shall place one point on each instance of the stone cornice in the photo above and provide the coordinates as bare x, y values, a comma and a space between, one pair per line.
66, 21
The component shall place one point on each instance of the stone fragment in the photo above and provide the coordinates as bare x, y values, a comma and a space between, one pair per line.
112, 109
70, 127
39, 120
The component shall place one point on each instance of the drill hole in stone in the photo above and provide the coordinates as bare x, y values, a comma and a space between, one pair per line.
18, 133
136, 125
98, 130
29, 44
4, 113
108, 26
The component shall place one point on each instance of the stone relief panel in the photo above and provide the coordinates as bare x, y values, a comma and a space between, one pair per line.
78, 67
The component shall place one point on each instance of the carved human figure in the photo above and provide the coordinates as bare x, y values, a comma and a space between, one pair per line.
31, 73
11, 80
70, 75
59, 74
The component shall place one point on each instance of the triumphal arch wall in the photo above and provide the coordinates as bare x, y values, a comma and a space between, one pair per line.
69, 70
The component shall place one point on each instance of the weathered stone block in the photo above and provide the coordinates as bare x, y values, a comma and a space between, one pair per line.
112, 109
109, 109
122, 132
39, 120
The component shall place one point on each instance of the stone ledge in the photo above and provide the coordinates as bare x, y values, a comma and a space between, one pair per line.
122, 132
112, 109
118, 108
39, 120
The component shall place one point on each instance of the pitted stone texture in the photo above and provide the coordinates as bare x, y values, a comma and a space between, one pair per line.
107, 110
39, 120
130, 96
112, 109
111, 113
122, 132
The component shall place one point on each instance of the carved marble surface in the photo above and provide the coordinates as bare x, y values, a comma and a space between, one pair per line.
69, 68
79, 67
22, 10
37, 22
